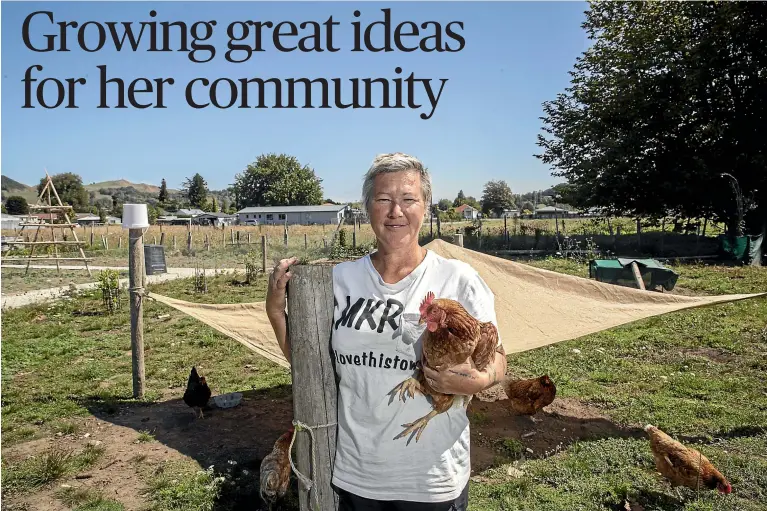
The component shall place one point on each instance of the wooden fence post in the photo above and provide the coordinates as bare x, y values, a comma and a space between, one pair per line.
310, 319
136, 274
459, 239
263, 253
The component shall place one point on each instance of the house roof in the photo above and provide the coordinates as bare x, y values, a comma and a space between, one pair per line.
217, 215
190, 212
294, 209
550, 209
462, 207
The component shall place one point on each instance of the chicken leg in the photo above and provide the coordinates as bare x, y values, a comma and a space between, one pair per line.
416, 428
440, 403
409, 387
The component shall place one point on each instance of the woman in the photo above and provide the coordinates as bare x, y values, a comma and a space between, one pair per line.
376, 345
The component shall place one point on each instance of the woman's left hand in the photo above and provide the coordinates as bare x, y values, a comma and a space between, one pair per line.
462, 379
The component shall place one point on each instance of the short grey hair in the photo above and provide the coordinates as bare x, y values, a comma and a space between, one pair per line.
395, 162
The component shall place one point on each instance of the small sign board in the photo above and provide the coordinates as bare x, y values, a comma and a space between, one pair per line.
154, 259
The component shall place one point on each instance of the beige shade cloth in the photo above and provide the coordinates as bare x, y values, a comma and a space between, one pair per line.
534, 307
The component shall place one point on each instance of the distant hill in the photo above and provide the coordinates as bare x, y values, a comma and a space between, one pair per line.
100, 194
124, 183
12, 187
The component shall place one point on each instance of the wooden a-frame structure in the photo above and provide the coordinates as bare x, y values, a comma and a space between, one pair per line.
45, 204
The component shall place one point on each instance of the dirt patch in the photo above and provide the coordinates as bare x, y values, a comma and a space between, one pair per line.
115, 474
712, 354
496, 428
244, 434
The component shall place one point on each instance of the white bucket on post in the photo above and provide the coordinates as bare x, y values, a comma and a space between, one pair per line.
135, 216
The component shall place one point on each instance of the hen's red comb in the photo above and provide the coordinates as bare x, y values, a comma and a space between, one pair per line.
426, 302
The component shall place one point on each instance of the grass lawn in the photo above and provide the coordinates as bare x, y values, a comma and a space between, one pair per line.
73, 438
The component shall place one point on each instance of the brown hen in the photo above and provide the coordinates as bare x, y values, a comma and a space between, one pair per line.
527, 397
452, 336
684, 466
275, 469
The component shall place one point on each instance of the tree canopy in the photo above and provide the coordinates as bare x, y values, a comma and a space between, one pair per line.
70, 188
163, 197
196, 190
277, 180
497, 197
671, 96
16, 205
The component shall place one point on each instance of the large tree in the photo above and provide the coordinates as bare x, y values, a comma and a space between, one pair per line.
671, 96
196, 191
163, 197
460, 199
16, 205
70, 188
497, 197
277, 180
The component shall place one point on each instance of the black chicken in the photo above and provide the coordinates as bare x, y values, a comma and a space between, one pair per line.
197, 391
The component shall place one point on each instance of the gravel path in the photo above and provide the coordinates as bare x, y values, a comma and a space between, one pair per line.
12, 301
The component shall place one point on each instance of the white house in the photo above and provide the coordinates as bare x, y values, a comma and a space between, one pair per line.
468, 212
87, 219
10, 221
551, 212
304, 215
215, 219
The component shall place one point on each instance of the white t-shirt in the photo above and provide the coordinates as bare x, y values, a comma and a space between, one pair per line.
376, 344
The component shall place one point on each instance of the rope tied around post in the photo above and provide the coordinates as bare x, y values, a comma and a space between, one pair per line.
307, 482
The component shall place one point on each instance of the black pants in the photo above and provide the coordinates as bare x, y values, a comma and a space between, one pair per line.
351, 502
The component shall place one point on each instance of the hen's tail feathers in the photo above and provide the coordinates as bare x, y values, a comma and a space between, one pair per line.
193, 377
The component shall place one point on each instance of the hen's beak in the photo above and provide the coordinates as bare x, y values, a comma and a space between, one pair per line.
421, 320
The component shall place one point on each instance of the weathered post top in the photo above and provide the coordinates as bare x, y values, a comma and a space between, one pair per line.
310, 318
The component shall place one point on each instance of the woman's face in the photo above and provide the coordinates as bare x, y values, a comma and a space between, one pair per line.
397, 211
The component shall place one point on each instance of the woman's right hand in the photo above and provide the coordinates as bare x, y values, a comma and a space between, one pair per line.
278, 281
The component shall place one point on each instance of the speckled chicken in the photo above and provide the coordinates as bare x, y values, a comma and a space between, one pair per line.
529, 396
452, 336
275, 469
197, 391
684, 466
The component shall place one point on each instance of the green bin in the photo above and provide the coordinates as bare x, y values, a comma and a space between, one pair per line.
618, 272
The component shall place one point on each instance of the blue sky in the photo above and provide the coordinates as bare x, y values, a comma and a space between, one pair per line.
517, 55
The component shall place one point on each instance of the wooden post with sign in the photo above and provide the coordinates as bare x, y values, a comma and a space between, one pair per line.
310, 321
136, 274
